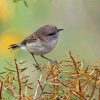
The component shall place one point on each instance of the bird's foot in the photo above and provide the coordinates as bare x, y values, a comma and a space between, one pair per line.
37, 66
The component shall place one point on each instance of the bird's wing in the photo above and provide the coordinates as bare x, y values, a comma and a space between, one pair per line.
29, 39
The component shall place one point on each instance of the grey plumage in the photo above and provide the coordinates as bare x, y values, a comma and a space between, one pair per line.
41, 41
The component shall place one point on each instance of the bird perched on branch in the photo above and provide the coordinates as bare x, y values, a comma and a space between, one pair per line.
40, 42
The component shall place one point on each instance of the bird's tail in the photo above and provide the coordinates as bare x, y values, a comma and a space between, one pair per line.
14, 46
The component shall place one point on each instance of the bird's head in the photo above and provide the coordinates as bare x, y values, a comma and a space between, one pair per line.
48, 32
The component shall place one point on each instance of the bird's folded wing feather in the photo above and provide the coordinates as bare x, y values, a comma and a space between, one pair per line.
29, 39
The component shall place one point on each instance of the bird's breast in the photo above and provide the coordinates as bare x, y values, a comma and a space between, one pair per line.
40, 47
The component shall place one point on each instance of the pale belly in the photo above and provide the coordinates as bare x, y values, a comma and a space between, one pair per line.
39, 48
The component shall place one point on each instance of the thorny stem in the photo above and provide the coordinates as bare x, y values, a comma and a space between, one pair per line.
74, 62
36, 91
81, 97
42, 87
72, 91
1, 90
77, 71
19, 82
94, 86
42, 90
99, 94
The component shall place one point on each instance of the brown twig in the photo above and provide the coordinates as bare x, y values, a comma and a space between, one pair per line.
40, 85
74, 62
78, 85
37, 87
99, 94
94, 85
19, 82
1, 87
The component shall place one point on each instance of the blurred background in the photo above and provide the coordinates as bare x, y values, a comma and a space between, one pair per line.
79, 18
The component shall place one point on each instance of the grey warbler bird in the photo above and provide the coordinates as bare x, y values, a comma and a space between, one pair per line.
40, 42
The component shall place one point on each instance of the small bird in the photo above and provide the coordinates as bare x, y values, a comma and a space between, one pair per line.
40, 42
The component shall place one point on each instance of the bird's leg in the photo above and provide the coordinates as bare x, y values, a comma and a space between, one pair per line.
46, 58
37, 65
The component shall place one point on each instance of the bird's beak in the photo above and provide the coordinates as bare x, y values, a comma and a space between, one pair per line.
60, 30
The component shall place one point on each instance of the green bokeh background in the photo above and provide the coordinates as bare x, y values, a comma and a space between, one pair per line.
80, 20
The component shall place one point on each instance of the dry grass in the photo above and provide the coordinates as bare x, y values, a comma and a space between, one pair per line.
69, 79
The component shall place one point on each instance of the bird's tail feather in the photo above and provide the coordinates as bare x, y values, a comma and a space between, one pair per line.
14, 46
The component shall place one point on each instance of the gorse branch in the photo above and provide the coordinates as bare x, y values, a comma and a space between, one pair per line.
19, 81
69, 79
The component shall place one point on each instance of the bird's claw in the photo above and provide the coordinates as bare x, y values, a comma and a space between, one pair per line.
37, 67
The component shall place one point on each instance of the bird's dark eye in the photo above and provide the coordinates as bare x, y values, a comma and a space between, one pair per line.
50, 34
